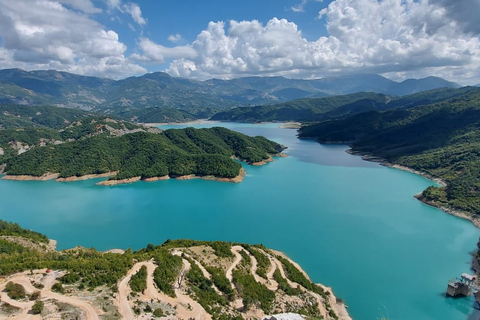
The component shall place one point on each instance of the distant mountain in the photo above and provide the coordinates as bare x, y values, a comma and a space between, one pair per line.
146, 98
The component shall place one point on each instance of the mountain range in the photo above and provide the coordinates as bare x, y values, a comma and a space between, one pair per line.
158, 97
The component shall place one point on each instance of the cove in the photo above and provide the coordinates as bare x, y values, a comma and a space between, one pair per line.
351, 224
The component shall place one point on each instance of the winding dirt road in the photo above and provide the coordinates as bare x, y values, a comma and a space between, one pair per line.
90, 312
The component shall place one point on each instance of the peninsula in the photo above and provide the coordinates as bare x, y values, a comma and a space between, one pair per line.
81, 146
180, 279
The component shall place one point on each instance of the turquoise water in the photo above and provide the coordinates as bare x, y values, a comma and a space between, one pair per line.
353, 225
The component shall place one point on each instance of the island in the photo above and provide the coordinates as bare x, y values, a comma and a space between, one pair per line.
179, 279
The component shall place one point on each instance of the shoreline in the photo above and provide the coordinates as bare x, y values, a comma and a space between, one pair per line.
453, 212
339, 306
198, 121
237, 179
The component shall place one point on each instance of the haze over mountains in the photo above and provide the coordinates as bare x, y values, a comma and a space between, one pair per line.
158, 96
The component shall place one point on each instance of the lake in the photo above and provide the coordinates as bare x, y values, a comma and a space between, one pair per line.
351, 224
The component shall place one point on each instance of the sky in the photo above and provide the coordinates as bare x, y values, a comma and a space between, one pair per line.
398, 39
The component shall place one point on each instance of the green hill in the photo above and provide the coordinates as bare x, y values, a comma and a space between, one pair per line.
202, 152
441, 139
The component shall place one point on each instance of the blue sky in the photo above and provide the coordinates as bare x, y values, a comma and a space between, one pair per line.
226, 39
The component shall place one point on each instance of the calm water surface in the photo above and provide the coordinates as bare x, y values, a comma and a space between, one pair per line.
353, 225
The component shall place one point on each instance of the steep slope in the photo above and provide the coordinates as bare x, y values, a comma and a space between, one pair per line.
440, 139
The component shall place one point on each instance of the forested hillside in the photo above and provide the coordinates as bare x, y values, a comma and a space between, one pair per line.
441, 139
334, 107
180, 152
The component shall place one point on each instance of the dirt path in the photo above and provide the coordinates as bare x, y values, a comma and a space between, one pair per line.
238, 303
121, 300
235, 250
90, 312
206, 274
185, 306
319, 298
270, 283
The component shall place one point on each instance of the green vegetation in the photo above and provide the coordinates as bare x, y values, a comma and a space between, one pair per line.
89, 269
13, 229
174, 152
283, 284
168, 268
208, 298
297, 276
441, 139
15, 291
263, 263
19, 116
253, 292
306, 110
221, 282
138, 281
327, 108
37, 307
158, 313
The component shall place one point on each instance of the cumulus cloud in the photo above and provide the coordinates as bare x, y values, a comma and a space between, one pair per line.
155, 53
44, 34
388, 36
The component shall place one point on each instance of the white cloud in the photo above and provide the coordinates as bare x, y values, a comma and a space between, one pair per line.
83, 5
388, 36
155, 53
175, 38
134, 10
299, 7
44, 34
130, 8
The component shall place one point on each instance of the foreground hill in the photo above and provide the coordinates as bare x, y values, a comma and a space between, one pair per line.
183, 279
441, 139
158, 97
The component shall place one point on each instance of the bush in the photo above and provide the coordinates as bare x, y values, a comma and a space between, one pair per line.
15, 291
158, 313
37, 307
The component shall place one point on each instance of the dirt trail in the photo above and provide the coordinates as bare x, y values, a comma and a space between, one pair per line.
273, 285
235, 250
238, 303
206, 274
186, 307
90, 312
270, 283
121, 299
319, 298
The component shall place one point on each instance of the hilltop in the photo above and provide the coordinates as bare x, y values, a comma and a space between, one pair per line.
180, 279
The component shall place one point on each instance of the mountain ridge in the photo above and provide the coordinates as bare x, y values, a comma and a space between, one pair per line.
148, 96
